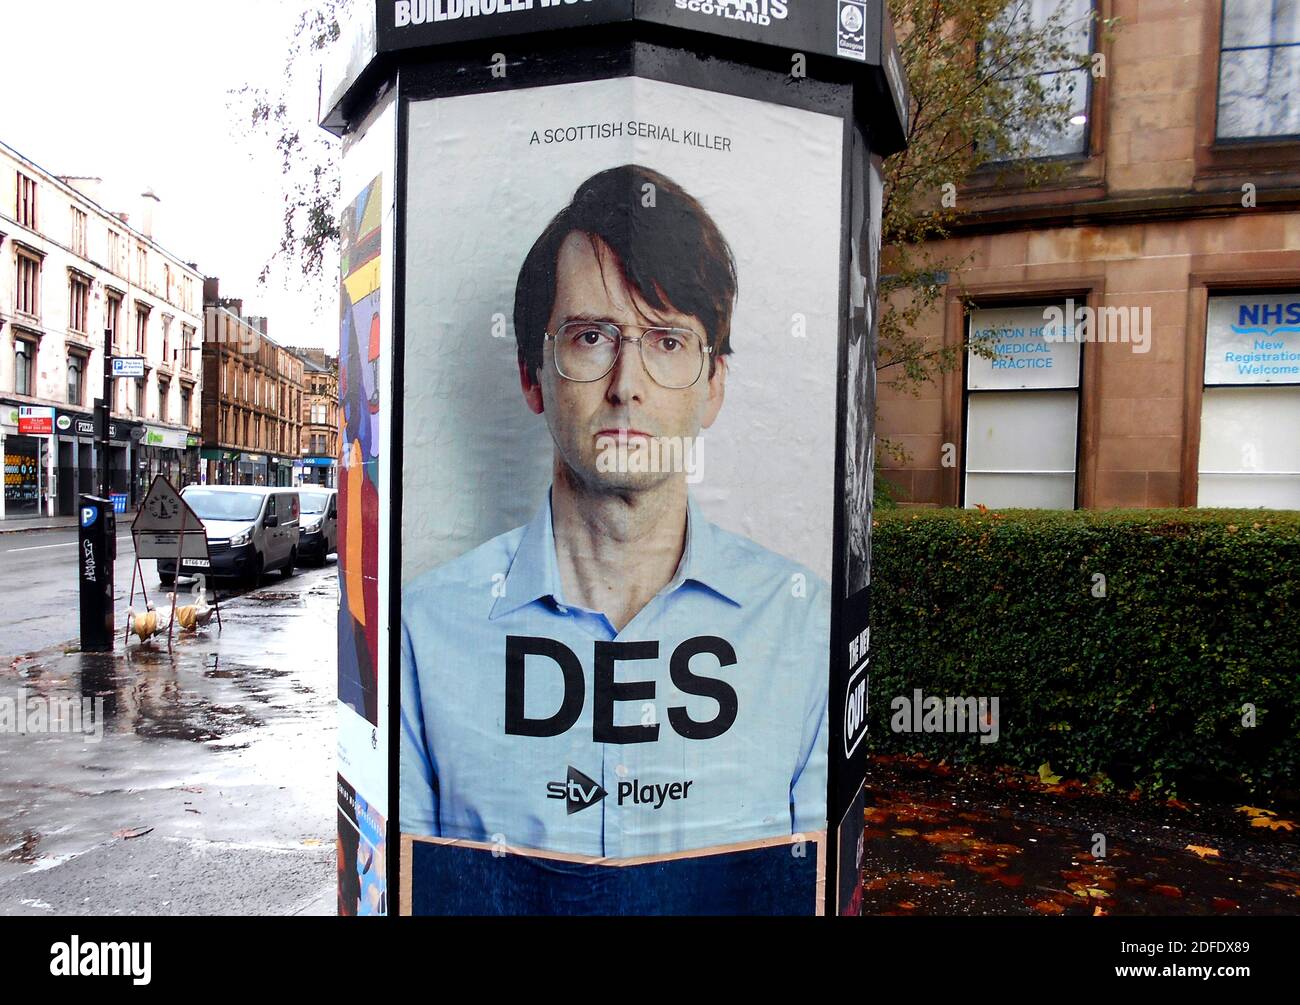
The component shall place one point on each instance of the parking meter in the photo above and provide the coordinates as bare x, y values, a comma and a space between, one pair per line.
96, 552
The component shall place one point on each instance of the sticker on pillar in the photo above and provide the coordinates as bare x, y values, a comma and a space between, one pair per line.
851, 31
620, 374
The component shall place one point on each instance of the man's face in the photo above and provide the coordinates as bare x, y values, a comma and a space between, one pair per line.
586, 418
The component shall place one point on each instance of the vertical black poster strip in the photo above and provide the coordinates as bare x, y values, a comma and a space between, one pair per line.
394, 459
855, 471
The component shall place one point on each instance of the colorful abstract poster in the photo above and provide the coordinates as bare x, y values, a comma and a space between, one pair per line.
365, 416
362, 855
359, 396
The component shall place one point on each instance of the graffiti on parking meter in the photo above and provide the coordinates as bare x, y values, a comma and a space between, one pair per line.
604, 656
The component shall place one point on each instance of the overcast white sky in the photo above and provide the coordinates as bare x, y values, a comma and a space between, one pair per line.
136, 92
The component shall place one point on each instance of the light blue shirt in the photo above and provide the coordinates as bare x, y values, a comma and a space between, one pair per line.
464, 776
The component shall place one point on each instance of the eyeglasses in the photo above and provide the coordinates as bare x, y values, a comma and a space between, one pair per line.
586, 351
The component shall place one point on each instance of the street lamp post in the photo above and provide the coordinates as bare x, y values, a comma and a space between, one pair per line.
102, 410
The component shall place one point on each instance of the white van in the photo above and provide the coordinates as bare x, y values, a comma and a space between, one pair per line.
252, 530
320, 523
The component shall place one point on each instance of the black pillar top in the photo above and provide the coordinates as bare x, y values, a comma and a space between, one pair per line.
834, 35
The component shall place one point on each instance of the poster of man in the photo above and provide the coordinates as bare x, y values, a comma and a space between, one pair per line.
618, 469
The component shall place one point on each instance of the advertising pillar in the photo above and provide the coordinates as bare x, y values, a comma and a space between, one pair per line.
608, 383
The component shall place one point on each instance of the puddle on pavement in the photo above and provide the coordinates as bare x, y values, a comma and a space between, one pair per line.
251, 686
237, 671
185, 695
277, 599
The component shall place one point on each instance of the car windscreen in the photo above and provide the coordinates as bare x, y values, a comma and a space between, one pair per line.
314, 502
211, 505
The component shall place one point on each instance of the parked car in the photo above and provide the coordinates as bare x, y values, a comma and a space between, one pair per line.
320, 524
251, 529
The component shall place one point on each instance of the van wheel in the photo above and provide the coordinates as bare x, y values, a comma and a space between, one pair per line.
166, 579
255, 576
287, 571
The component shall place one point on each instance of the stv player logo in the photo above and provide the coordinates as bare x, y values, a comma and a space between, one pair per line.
578, 791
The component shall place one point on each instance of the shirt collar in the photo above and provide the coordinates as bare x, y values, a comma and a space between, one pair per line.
535, 575
702, 560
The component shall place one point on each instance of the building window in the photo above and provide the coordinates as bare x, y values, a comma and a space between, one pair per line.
1259, 70
142, 330
1022, 410
115, 251
112, 318
78, 304
164, 395
167, 340
26, 201
1250, 408
78, 232
25, 367
133, 395
76, 378
141, 264
27, 294
78, 244
187, 398
187, 346
1060, 78
318, 417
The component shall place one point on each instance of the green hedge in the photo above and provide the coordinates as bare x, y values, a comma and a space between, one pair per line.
1145, 685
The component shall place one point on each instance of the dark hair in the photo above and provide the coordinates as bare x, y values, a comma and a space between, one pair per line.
671, 252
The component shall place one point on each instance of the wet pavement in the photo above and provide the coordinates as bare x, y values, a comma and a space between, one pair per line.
210, 788
941, 841
40, 593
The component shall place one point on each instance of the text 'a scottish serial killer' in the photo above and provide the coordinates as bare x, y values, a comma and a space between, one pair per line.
631, 127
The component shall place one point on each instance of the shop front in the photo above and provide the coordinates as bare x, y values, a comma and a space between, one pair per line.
26, 435
252, 470
316, 471
124, 461
76, 467
220, 467
193, 470
23, 465
279, 471
164, 451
